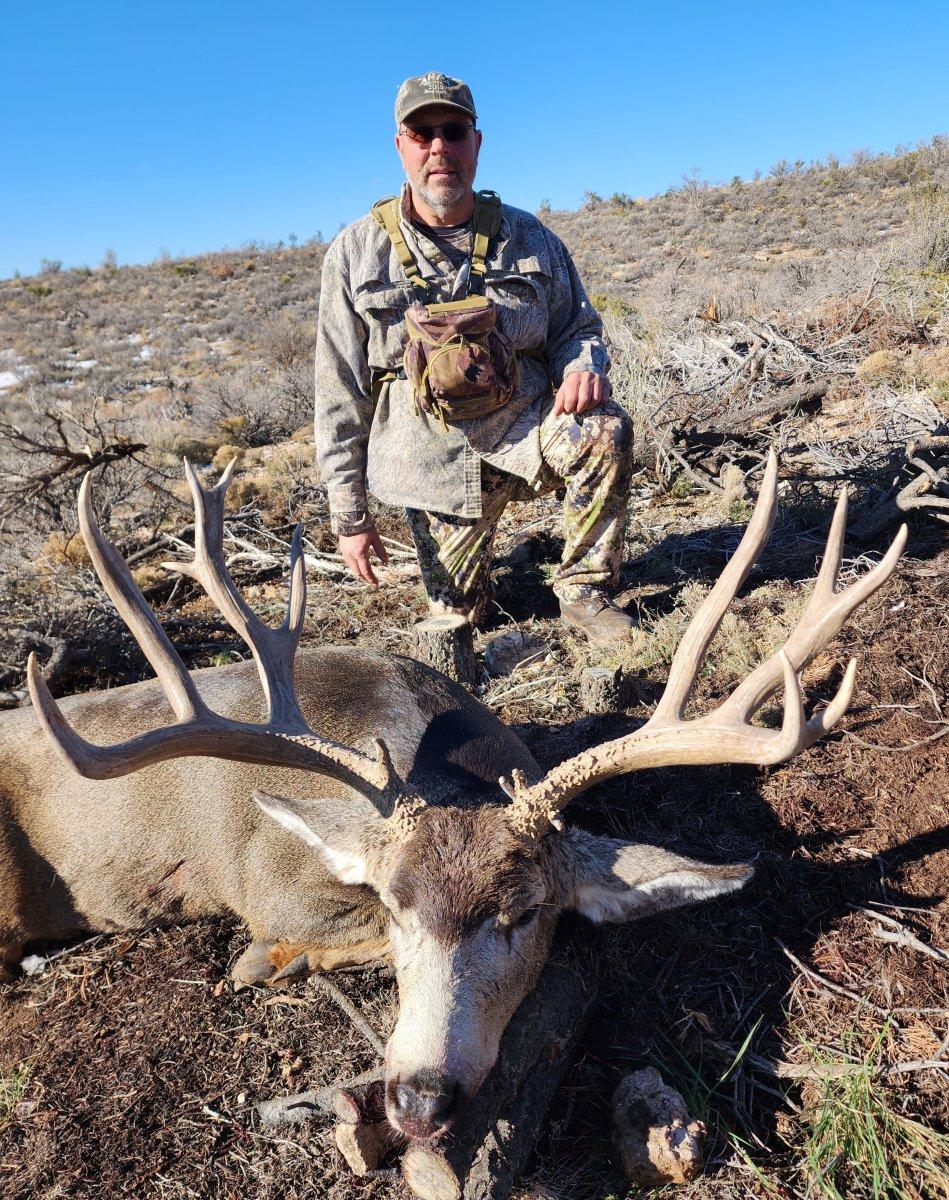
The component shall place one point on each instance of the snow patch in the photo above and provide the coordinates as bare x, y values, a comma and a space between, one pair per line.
18, 373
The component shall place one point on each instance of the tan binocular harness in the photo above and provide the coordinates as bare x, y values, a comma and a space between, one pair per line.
486, 221
459, 363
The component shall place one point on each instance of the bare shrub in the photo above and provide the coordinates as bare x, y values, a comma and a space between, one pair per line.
43, 462
928, 237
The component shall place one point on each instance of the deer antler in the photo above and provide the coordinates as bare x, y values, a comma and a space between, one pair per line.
285, 739
724, 735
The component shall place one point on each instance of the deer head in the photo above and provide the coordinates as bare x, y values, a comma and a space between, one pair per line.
473, 891
473, 904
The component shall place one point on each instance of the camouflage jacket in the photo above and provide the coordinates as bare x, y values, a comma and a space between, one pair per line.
406, 459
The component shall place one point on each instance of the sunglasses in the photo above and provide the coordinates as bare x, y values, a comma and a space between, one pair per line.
451, 131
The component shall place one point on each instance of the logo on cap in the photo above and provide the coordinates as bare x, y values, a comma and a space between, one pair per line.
438, 85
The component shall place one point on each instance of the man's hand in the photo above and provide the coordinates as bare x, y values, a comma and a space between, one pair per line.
355, 551
579, 391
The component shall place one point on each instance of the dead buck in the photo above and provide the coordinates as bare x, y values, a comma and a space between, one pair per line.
432, 836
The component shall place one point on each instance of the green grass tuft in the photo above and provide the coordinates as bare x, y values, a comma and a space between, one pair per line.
858, 1143
12, 1090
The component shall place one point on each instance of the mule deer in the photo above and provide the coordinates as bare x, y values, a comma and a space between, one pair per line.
432, 834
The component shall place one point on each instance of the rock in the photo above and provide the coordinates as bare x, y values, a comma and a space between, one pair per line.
653, 1138
506, 651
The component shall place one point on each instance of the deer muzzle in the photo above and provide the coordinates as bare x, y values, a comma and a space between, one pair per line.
424, 1105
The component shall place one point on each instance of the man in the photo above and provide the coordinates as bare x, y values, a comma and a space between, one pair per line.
553, 425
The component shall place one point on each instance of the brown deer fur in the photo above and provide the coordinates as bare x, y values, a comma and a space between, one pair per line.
184, 838
461, 882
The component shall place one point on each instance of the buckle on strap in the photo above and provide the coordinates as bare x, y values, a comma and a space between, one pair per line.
486, 221
379, 379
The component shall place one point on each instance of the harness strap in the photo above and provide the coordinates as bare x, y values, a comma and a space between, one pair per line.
486, 221
386, 213
379, 381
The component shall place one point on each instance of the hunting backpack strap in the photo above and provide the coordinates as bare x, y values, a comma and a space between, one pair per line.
486, 221
386, 213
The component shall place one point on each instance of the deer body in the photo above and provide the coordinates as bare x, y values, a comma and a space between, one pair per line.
371, 806
183, 838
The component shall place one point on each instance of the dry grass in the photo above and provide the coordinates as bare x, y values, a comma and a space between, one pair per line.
131, 1056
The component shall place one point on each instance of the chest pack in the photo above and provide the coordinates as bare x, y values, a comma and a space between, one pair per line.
459, 363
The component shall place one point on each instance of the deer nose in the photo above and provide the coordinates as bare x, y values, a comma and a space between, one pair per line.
425, 1103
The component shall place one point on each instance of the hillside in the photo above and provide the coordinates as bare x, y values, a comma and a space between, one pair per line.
205, 337
808, 312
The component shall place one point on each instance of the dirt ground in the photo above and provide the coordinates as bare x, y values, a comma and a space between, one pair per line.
131, 1068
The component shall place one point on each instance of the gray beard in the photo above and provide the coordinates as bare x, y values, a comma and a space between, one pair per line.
445, 199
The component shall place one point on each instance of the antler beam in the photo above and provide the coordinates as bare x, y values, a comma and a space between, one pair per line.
285, 739
724, 735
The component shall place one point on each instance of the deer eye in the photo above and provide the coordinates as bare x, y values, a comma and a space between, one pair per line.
526, 917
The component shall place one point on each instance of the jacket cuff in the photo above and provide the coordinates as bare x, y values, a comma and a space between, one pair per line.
346, 524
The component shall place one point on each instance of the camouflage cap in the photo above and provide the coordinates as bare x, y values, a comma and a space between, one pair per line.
421, 91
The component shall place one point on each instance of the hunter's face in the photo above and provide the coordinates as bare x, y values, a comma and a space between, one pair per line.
441, 172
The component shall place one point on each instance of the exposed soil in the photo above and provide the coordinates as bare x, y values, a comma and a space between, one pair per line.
140, 1066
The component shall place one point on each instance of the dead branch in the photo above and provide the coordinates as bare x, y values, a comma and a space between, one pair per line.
927, 491
899, 935
57, 458
353, 1102
828, 985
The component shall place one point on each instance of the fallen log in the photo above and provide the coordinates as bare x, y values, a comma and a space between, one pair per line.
489, 1149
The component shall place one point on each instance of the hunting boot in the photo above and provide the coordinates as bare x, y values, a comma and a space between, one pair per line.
598, 618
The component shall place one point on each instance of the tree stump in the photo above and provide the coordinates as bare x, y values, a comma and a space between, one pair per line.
603, 690
445, 643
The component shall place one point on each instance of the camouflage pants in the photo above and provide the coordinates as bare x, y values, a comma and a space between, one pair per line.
591, 456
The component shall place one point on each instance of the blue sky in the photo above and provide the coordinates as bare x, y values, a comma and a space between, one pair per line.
188, 127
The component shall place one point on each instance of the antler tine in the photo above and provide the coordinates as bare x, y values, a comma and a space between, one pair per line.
209, 735
695, 641
133, 608
272, 649
725, 734
296, 602
826, 582
822, 619
285, 740
824, 721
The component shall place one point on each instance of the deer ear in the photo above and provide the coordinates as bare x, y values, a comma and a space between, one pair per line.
622, 881
349, 844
